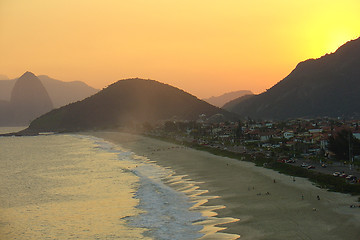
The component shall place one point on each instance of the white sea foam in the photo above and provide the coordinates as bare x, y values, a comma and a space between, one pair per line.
85, 187
166, 212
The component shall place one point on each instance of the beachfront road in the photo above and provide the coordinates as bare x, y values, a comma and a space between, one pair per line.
330, 168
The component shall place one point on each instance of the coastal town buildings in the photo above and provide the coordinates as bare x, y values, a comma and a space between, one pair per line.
305, 140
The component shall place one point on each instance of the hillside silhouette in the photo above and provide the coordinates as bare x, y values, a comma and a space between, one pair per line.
221, 100
61, 93
328, 86
127, 103
29, 99
6, 87
233, 103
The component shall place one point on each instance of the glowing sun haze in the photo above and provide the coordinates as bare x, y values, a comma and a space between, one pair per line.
206, 47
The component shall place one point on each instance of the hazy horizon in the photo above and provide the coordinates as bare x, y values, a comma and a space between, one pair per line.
152, 157
205, 48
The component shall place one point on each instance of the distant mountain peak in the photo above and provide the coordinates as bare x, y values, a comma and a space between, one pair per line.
27, 75
29, 91
29, 99
220, 101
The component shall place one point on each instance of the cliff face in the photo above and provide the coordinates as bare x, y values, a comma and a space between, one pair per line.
29, 99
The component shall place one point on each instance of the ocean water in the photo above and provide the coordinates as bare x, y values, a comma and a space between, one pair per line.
80, 187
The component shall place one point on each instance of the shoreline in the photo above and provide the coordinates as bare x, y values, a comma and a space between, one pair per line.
266, 210
322, 180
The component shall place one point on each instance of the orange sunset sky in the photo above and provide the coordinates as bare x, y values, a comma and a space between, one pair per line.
206, 47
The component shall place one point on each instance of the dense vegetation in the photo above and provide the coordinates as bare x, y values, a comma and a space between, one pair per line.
343, 143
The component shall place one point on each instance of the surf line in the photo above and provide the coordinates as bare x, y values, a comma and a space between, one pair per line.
210, 222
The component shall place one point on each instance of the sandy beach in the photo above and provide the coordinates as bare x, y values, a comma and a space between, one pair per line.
268, 205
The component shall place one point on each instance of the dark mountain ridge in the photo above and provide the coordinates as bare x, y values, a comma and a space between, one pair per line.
29, 99
6, 87
29, 92
61, 93
221, 100
124, 103
236, 101
327, 86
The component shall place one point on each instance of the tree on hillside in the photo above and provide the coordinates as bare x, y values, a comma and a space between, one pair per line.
239, 132
170, 126
339, 144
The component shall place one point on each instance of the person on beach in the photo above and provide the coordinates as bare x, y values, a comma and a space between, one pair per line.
318, 197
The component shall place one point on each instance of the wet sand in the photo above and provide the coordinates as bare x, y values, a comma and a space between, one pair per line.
284, 209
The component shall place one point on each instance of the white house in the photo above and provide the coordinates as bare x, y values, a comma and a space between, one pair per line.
288, 135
